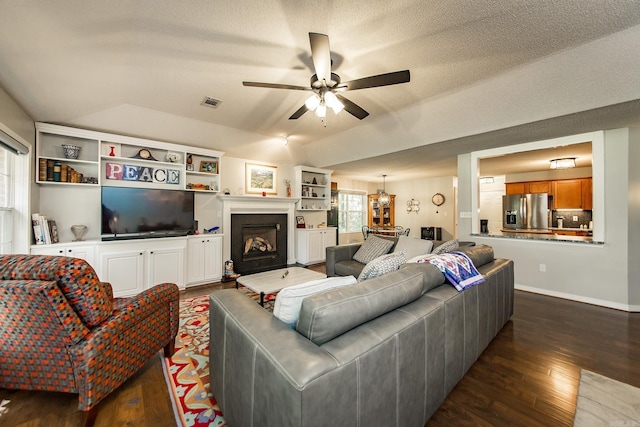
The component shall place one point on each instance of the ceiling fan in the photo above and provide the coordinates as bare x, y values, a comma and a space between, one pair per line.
325, 84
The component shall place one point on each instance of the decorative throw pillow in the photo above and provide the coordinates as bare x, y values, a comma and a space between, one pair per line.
448, 246
289, 300
382, 265
372, 248
413, 246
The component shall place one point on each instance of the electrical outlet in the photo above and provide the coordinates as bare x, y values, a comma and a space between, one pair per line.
575, 217
543, 267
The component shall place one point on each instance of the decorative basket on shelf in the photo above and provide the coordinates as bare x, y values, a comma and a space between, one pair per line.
71, 151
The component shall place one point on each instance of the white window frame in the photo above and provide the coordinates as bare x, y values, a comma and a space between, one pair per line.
19, 171
361, 193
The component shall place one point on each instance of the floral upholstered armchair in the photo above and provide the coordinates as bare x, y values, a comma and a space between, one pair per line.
62, 330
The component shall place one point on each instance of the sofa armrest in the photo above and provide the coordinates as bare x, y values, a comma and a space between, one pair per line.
339, 253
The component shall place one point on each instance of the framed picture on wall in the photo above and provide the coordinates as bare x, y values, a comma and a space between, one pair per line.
300, 221
261, 178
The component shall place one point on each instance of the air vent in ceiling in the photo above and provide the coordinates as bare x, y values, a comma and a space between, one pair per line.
210, 102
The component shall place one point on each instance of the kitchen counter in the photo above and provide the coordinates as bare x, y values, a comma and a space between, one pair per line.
539, 235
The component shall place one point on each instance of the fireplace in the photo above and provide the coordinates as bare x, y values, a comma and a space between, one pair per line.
258, 242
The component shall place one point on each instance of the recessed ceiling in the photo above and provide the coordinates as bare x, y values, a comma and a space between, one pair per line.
144, 67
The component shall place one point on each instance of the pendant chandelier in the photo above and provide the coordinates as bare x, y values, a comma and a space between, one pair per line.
384, 199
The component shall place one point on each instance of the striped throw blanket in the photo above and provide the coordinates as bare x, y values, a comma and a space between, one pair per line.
457, 268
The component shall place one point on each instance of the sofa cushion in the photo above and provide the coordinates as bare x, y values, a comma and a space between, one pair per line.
330, 314
382, 265
479, 255
448, 246
372, 248
432, 277
413, 246
75, 277
289, 300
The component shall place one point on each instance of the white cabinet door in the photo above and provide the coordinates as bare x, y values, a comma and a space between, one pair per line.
213, 258
85, 252
329, 239
166, 266
315, 246
204, 259
125, 272
311, 244
195, 260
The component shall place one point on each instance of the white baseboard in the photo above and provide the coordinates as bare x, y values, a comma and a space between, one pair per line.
580, 298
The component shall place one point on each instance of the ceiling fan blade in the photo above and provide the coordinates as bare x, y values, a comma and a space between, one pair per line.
321, 55
352, 108
299, 112
374, 81
275, 86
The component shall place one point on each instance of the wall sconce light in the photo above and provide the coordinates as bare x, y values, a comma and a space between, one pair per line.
566, 163
413, 205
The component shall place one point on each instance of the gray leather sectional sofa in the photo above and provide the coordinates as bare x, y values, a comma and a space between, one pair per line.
340, 260
383, 352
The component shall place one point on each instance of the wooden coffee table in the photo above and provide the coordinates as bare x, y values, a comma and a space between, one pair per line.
272, 281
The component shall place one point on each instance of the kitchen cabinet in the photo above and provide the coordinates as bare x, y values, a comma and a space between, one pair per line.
132, 267
568, 194
204, 259
380, 216
515, 188
587, 194
537, 187
312, 243
533, 187
84, 250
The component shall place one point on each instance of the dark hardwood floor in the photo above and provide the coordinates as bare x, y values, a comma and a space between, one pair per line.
528, 376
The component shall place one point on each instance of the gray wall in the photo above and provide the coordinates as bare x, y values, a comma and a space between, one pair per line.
634, 217
605, 274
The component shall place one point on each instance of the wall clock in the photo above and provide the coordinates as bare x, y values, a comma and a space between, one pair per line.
438, 200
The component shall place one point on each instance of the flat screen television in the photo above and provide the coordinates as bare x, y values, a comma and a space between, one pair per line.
129, 213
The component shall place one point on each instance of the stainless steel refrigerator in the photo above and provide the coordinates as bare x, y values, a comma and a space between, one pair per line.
526, 211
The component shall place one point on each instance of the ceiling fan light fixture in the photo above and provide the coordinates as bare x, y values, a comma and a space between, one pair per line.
312, 102
330, 99
321, 110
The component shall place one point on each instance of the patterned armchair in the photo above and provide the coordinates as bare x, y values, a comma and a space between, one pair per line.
62, 330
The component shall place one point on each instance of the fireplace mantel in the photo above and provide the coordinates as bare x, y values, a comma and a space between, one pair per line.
258, 204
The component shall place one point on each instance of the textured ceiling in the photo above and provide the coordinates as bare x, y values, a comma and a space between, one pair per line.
96, 63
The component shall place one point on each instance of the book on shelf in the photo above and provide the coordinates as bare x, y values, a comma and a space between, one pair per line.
45, 230
53, 171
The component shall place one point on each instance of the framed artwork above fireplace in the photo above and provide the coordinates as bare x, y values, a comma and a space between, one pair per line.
261, 178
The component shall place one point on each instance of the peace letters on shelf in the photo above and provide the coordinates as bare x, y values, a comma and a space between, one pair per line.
121, 172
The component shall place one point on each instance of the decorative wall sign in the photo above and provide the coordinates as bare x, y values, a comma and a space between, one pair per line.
261, 178
119, 172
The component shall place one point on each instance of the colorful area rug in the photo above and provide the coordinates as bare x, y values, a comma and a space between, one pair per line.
187, 371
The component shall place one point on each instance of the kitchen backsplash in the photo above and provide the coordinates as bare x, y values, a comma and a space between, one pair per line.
583, 218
